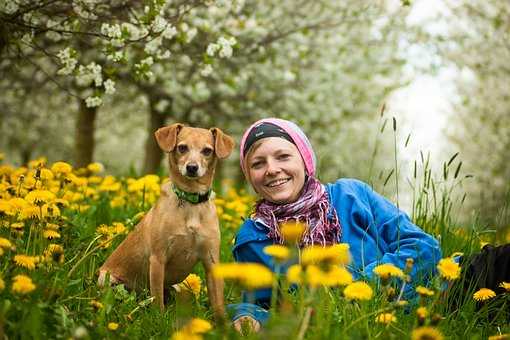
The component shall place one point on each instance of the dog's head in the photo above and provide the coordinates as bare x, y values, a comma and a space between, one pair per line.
194, 151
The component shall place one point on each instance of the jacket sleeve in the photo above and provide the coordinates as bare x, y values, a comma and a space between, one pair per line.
255, 303
403, 238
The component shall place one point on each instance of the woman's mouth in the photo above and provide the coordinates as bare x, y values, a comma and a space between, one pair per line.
278, 182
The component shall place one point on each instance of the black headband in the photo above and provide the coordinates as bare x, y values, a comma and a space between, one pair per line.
264, 130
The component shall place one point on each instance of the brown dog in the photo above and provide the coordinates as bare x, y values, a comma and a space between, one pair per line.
182, 228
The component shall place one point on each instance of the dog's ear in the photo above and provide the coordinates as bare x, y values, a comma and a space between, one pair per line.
223, 143
167, 136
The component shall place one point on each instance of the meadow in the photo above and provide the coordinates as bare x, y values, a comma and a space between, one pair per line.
58, 225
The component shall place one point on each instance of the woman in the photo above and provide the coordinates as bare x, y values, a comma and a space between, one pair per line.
279, 163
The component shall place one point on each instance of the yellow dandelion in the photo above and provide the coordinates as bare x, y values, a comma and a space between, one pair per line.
113, 326
46, 174
197, 326
505, 286
95, 168
337, 276
22, 284
422, 312
448, 269
51, 234
294, 274
336, 254
385, 318
54, 252
40, 196
30, 212
5, 243
358, 290
423, 291
426, 333
292, 231
500, 337
278, 252
61, 168
387, 270
96, 304
250, 275
18, 226
26, 261
193, 283
484, 294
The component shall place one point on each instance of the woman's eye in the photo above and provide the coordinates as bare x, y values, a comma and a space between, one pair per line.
182, 148
256, 164
283, 157
207, 151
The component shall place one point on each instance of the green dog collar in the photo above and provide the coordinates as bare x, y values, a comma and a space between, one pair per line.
192, 197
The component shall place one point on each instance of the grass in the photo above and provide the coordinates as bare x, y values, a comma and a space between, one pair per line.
92, 213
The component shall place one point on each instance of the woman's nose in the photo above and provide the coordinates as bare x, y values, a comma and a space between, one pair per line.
272, 168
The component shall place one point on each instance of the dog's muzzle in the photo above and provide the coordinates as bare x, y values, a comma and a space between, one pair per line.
192, 170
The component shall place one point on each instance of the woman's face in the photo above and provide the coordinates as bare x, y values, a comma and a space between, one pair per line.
276, 170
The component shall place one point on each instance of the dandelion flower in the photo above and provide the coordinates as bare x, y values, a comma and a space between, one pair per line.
22, 284
426, 333
337, 276
448, 269
198, 326
5, 243
95, 167
292, 231
294, 274
113, 326
40, 196
385, 318
193, 283
484, 294
54, 252
387, 270
250, 275
423, 291
505, 285
26, 261
51, 234
96, 304
422, 312
358, 291
500, 337
337, 254
278, 252
61, 168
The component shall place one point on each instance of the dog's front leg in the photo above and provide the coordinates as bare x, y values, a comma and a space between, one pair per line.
157, 279
214, 285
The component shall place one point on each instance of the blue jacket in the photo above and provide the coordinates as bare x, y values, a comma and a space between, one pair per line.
375, 229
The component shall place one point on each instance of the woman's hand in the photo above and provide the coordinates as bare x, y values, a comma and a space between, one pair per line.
246, 324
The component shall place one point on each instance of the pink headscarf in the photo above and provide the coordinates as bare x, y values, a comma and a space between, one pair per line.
312, 207
302, 143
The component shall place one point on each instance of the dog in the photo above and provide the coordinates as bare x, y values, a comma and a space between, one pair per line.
182, 228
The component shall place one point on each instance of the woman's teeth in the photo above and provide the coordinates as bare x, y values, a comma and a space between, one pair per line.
278, 182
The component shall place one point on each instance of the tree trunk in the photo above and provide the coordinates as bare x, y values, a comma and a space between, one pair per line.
153, 153
84, 142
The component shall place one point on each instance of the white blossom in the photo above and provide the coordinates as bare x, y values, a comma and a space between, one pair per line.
93, 101
169, 32
159, 24
111, 31
109, 86
162, 105
152, 47
207, 70
67, 60
88, 74
212, 49
9, 7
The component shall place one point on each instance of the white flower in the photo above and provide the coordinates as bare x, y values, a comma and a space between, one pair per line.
90, 73
93, 101
111, 31
115, 56
109, 86
147, 61
212, 49
162, 105
159, 24
67, 60
152, 46
207, 70
164, 55
9, 7
169, 32
190, 34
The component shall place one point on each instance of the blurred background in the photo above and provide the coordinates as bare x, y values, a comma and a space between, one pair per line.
395, 93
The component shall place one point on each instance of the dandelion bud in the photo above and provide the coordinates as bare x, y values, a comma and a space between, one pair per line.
21, 178
409, 264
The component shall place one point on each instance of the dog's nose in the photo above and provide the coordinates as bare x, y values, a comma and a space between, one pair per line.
191, 169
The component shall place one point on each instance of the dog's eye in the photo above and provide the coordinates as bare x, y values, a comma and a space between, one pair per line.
206, 151
182, 148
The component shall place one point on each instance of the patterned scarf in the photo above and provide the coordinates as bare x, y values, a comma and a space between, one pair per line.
311, 209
